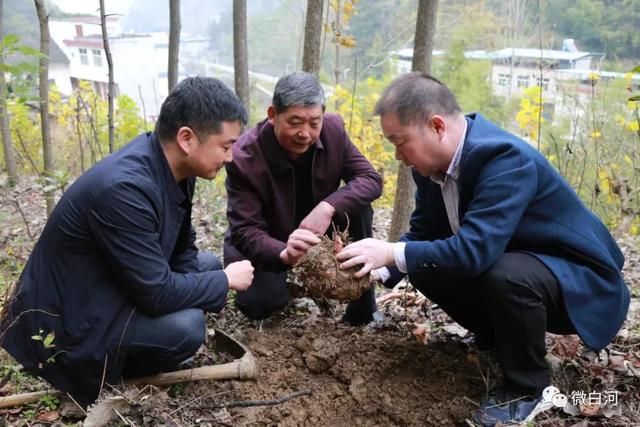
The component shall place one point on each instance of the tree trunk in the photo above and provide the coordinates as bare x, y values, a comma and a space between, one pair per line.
174, 42
311, 59
79, 133
425, 29
107, 52
5, 131
337, 35
240, 62
404, 201
47, 151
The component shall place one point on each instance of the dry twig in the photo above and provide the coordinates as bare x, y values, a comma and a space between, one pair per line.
247, 403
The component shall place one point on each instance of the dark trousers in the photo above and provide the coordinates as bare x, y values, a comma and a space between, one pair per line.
510, 307
268, 292
159, 344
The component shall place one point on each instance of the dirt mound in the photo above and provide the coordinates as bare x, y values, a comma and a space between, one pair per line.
354, 377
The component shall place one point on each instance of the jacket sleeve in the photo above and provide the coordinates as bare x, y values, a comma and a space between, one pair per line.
363, 184
247, 223
185, 256
504, 187
419, 226
125, 222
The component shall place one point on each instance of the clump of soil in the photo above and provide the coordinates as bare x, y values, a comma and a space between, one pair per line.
319, 271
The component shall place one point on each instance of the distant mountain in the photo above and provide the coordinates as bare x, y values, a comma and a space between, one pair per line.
152, 15
20, 18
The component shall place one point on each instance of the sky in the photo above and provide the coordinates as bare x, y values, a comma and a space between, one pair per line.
91, 6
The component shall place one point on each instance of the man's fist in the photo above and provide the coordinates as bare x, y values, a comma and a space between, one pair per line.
298, 244
318, 220
239, 275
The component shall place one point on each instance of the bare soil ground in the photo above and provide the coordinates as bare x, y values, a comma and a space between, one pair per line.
415, 368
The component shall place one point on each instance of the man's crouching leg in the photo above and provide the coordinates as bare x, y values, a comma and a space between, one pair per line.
267, 294
159, 344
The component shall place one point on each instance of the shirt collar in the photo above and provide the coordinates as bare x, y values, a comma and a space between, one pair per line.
454, 167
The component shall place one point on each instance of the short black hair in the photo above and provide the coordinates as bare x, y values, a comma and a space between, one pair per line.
415, 97
297, 89
201, 103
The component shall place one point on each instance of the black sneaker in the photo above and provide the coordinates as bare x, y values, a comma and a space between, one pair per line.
508, 410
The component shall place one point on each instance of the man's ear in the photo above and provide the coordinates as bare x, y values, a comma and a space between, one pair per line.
438, 124
186, 139
271, 114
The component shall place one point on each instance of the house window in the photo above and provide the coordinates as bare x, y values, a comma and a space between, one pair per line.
84, 59
523, 81
503, 79
544, 83
97, 57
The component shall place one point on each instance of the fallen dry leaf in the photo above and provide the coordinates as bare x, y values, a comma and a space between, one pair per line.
102, 413
11, 411
589, 409
421, 332
48, 416
616, 361
612, 411
566, 346
6, 389
603, 374
571, 409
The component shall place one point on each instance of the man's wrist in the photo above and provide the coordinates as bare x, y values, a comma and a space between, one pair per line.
328, 207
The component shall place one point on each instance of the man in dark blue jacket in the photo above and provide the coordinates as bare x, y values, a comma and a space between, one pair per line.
115, 281
498, 239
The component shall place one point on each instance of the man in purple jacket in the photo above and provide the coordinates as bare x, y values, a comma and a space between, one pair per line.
284, 188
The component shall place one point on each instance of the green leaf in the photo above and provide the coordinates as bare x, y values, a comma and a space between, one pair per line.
49, 189
635, 98
12, 69
636, 69
48, 340
36, 337
10, 39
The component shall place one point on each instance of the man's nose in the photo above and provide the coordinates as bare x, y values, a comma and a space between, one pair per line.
304, 132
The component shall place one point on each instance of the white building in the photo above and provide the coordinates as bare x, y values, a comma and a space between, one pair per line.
59, 68
402, 58
515, 69
139, 60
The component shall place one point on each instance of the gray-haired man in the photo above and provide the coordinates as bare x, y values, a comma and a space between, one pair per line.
284, 189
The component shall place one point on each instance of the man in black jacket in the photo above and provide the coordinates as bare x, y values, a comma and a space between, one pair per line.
115, 280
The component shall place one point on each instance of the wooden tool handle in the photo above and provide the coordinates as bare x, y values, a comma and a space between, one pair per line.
242, 369
24, 398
